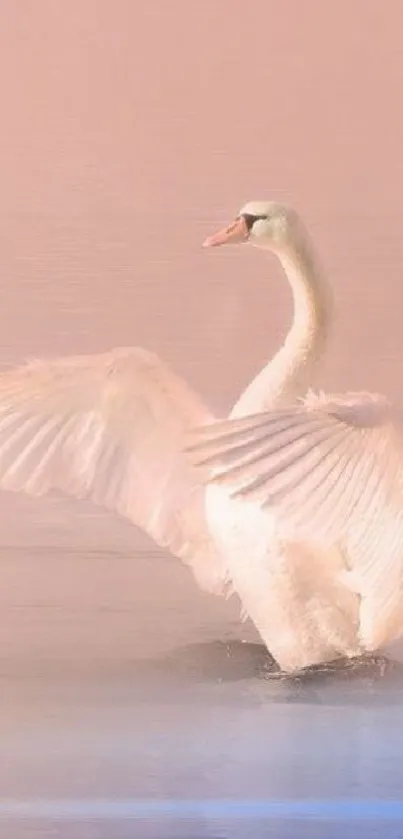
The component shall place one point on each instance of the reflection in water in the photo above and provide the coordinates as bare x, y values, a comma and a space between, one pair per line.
235, 660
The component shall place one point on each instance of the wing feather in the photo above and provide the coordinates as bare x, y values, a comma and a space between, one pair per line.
110, 428
337, 480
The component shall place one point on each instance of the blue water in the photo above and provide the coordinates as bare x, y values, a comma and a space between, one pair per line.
170, 748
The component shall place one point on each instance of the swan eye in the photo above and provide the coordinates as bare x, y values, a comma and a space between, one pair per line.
250, 219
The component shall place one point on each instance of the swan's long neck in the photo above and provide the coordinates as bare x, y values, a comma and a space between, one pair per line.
289, 374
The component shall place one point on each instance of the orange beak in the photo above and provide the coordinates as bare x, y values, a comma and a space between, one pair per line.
236, 232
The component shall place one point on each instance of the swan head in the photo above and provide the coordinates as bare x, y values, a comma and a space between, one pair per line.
264, 224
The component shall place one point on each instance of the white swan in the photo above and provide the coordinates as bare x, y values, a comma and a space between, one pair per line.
306, 503
112, 428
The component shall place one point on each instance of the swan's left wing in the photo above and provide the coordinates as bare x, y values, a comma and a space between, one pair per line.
332, 470
110, 427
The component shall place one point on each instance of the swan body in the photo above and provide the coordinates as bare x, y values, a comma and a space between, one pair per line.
306, 501
300, 606
115, 427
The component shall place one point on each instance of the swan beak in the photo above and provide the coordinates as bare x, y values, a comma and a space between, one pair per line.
236, 232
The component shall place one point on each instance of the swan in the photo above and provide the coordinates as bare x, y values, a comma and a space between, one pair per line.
113, 428
306, 501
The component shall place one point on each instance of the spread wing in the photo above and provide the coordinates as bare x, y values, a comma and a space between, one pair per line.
110, 428
332, 469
